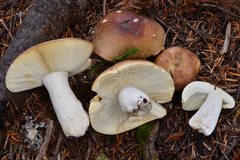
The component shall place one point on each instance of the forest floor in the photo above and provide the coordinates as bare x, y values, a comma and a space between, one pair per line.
198, 25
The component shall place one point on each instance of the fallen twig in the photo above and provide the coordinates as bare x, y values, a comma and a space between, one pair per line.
149, 146
15, 121
227, 39
93, 136
5, 26
104, 7
11, 21
58, 146
19, 153
72, 150
176, 7
231, 112
10, 150
222, 9
89, 148
43, 149
228, 151
170, 15
180, 147
169, 28
238, 92
13, 102
229, 127
224, 155
168, 116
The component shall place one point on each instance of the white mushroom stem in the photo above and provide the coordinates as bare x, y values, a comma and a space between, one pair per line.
133, 101
73, 118
205, 119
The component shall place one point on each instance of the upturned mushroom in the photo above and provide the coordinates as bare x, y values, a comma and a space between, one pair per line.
128, 95
183, 65
120, 30
209, 100
50, 64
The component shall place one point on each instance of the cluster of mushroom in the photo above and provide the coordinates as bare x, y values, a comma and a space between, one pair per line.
129, 92
131, 30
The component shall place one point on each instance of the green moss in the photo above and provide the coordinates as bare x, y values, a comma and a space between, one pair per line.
117, 59
143, 132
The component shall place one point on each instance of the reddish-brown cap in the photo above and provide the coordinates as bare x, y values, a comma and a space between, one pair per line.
119, 31
181, 63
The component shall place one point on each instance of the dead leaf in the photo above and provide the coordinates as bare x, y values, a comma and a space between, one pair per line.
175, 136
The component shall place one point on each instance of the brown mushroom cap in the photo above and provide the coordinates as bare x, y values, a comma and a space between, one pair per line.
183, 64
119, 31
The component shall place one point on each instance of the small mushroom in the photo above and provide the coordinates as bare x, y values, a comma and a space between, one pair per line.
50, 64
210, 100
128, 96
183, 65
120, 30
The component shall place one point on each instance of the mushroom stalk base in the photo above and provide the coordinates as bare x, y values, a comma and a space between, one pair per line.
70, 113
133, 101
205, 119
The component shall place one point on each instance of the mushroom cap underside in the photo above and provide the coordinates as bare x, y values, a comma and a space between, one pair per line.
29, 68
107, 117
119, 31
143, 75
195, 94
